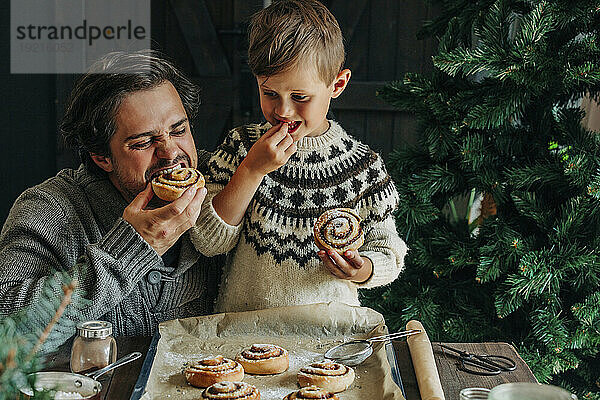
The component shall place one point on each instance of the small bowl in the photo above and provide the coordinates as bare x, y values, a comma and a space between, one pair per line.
68, 383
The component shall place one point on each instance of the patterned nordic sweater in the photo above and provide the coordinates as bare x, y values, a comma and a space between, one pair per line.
272, 258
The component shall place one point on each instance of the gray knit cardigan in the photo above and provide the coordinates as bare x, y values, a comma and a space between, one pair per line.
73, 222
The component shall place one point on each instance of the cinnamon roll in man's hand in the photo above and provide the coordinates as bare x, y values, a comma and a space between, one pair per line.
231, 391
311, 393
338, 229
170, 185
331, 376
264, 359
209, 371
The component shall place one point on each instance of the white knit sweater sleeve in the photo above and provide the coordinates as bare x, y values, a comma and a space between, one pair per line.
212, 235
386, 251
382, 245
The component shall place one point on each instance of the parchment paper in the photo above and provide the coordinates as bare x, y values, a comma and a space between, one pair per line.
305, 331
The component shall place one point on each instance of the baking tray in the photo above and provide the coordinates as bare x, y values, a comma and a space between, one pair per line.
142, 380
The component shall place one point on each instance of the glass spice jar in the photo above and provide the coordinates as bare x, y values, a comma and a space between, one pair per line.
93, 348
474, 393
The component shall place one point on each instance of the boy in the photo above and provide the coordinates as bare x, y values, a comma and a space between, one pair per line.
269, 183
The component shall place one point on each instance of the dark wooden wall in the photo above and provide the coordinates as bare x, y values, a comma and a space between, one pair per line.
27, 124
381, 47
207, 40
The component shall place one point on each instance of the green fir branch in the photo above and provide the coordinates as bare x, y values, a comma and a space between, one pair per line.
436, 180
530, 206
587, 73
36, 329
439, 141
504, 106
543, 175
536, 278
550, 329
461, 61
535, 26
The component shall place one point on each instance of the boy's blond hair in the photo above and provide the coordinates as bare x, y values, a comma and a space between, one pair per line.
290, 32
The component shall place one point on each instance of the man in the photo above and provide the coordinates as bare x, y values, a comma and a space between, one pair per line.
129, 117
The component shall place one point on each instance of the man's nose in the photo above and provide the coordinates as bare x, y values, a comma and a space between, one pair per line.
166, 148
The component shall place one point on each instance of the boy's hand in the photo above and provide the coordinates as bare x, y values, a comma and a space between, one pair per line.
351, 266
271, 151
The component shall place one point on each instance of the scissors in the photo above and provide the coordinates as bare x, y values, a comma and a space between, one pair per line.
485, 364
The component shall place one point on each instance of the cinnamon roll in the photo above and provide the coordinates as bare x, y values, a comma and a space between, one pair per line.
170, 186
330, 376
310, 393
231, 391
264, 359
339, 229
208, 371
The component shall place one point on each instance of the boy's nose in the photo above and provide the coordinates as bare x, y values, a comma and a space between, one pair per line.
284, 109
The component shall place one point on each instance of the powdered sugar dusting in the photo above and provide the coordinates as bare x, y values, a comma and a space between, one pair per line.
60, 395
174, 360
303, 357
273, 393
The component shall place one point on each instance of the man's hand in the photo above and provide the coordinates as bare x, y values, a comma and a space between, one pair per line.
351, 266
271, 151
161, 227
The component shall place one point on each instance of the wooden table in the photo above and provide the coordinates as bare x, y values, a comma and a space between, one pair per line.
453, 379
120, 385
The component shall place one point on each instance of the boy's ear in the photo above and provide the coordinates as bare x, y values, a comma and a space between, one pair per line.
105, 163
340, 82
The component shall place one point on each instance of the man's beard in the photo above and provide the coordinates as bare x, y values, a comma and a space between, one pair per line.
130, 188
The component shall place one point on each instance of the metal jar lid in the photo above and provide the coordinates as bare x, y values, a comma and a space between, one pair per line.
94, 329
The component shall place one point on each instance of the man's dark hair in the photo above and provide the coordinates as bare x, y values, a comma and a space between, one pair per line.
89, 121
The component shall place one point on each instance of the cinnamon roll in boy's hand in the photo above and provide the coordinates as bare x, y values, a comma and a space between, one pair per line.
330, 376
209, 371
170, 186
264, 359
231, 391
338, 229
311, 393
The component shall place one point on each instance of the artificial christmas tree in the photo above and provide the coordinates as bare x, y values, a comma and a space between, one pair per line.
500, 127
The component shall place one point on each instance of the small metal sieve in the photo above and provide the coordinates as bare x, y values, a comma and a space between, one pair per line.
356, 351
